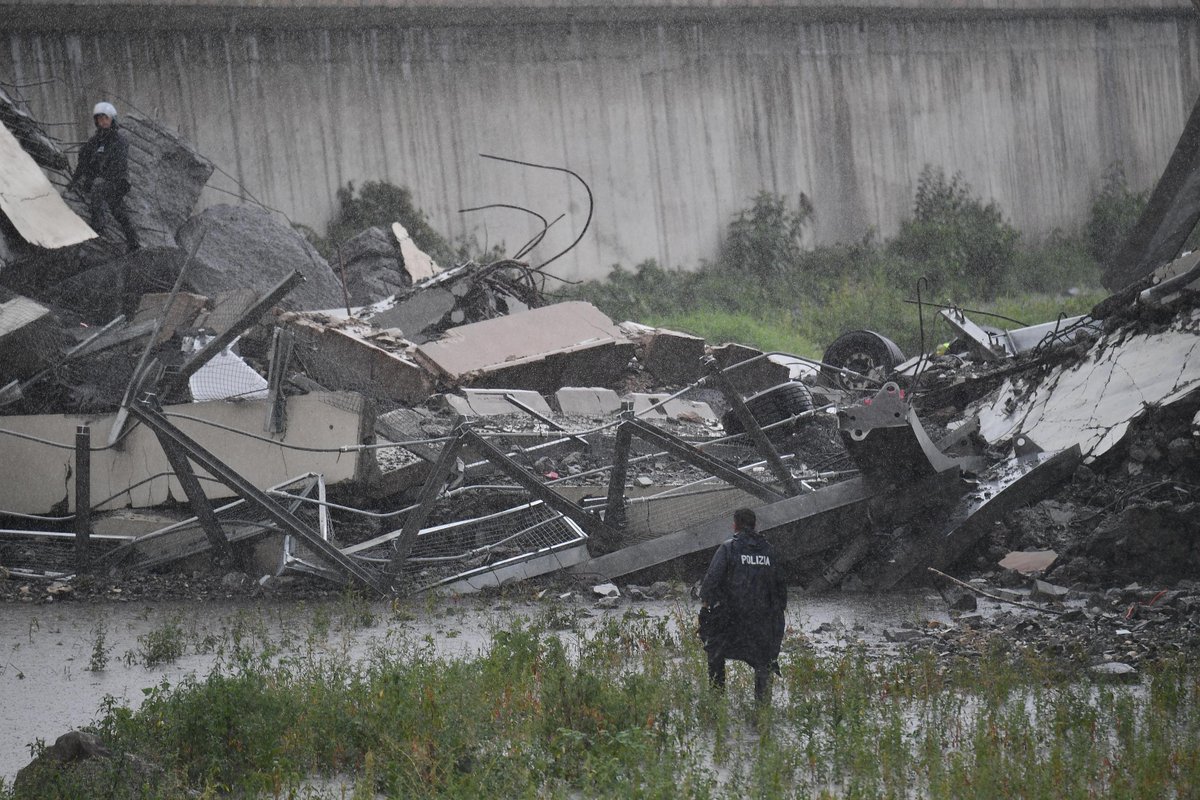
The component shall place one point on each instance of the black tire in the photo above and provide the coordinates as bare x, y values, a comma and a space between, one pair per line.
771, 405
868, 353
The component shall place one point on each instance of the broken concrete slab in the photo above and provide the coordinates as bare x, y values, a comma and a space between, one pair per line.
1092, 402
577, 401
30, 337
247, 248
672, 357
1170, 214
32, 204
350, 354
1030, 561
543, 349
1044, 590
416, 313
662, 406
762, 373
496, 402
31, 474
1008, 486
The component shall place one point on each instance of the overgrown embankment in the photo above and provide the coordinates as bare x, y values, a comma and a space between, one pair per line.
767, 289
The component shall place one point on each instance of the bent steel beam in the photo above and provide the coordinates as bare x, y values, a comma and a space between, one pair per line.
751, 426
887, 441
148, 414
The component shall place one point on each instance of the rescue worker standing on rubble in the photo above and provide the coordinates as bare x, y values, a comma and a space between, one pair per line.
743, 600
102, 174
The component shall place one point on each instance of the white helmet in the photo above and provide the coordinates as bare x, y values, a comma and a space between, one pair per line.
106, 109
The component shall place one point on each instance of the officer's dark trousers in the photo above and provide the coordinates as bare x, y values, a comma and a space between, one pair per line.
106, 195
762, 678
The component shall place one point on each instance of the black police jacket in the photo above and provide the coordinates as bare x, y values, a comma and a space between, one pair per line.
745, 591
105, 155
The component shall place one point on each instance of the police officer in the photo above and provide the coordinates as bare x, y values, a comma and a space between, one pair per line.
102, 174
744, 598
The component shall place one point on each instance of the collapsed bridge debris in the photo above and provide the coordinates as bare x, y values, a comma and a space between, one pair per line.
300, 434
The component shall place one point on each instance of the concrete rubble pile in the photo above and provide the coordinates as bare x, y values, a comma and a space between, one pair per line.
240, 405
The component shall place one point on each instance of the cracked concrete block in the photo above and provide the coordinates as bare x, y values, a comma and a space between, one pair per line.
576, 401
1029, 561
542, 349
762, 374
670, 356
1120, 378
496, 402
339, 356
1043, 590
652, 406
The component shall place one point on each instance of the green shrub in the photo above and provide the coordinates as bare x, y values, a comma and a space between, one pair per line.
1115, 210
960, 243
764, 240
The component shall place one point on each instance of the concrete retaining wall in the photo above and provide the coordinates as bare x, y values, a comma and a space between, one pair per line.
675, 122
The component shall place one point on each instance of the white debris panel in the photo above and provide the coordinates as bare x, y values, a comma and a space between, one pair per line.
32, 204
1093, 402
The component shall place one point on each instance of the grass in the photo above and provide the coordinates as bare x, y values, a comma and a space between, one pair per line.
623, 710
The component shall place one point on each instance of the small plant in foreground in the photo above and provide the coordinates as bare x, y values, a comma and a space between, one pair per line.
100, 651
162, 645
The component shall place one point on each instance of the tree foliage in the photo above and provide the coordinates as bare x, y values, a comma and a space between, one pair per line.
956, 240
1115, 210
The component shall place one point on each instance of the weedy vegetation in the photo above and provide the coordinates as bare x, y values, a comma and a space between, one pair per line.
620, 707
766, 288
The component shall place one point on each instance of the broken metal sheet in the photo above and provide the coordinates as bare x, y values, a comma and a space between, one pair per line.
979, 339
32, 204
225, 376
1061, 331
887, 441
1092, 403
545, 348
37, 456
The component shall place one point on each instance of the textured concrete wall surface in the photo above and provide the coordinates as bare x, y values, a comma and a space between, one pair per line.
675, 124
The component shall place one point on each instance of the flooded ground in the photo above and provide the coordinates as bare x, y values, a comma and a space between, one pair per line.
50, 684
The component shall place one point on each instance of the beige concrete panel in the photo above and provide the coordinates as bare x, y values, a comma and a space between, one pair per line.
532, 335
36, 477
1093, 402
32, 205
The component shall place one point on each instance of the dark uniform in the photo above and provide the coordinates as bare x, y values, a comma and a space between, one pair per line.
102, 175
744, 597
